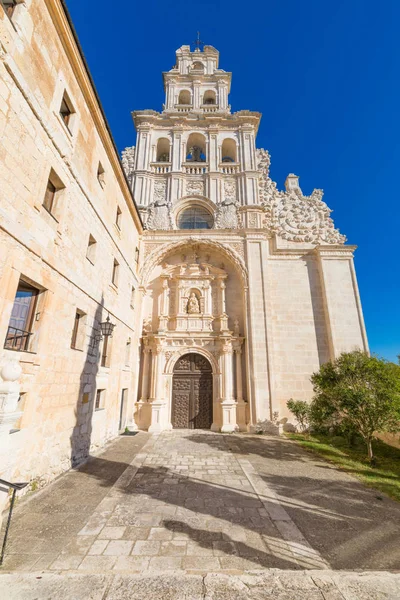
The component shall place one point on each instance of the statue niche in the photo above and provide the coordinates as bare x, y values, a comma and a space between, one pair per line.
193, 305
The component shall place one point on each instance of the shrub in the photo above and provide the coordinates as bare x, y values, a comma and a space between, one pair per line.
301, 411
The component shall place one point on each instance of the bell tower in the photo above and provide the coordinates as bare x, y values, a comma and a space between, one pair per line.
196, 84
195, 155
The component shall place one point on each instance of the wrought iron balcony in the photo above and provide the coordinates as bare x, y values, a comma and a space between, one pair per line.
17, 339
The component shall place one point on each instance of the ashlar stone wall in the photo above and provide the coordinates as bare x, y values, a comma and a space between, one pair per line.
59, 425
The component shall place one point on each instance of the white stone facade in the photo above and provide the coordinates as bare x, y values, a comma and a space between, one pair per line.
48, 414
276, 286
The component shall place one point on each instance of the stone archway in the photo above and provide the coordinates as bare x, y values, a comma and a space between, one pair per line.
192, 393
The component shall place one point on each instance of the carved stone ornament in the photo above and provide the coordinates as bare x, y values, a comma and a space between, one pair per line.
193, 305
194, 187
160, 211
128, 162
293, 216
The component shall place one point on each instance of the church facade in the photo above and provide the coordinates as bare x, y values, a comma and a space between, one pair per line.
247, 289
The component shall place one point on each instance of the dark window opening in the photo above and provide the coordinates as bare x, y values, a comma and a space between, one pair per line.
104, 353
101, 175
115, 272
99, 402
91, 249
118, 217
49, 196
19, 330
9, 7
195, 217
66, 111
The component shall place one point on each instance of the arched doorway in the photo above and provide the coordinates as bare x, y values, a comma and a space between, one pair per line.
192, 393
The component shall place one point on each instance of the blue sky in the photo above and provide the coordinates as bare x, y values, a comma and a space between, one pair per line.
325, 75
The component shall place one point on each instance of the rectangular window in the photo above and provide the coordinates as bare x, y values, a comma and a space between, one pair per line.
22, 317
53, 189
91, 249
118, 218
115, 273
78, 331
105, 359
100, 399
136, 255
49, 196
101, 175
66, 111
9, 6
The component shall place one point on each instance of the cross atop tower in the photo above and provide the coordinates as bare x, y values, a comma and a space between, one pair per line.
198, 43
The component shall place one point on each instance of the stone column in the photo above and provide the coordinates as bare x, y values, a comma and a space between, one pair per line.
228, 404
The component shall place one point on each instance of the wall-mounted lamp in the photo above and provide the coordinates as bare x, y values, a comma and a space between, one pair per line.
107, 327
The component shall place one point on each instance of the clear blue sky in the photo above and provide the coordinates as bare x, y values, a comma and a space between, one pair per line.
325, 75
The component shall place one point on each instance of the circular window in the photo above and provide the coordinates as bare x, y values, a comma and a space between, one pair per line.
195, 217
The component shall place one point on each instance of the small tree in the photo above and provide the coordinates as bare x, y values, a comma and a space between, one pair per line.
301, 411
361, 391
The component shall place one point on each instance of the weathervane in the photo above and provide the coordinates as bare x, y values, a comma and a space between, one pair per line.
198, 42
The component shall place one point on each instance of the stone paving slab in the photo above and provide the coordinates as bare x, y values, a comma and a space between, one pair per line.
255, 585
201, 502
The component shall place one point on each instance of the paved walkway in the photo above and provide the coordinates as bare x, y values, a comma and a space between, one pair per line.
196, 502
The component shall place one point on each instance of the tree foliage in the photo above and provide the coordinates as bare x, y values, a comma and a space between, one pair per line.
360, 392
301, 411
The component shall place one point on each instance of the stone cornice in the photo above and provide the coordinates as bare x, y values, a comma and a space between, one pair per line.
192, 120
62, 22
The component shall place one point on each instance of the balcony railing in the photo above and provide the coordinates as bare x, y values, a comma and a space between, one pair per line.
195, 168
17, 339
183, 107
229, 168
160, 167
209, 108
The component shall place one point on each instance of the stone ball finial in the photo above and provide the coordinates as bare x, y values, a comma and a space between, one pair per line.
11, 371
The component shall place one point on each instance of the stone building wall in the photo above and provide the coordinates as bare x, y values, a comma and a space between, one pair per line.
56, 422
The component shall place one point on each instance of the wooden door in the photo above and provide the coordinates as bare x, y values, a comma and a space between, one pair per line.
192, 393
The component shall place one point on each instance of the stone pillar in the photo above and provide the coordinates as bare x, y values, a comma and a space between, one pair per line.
239, 383
159, 420
224, 318
145, 374
9, 396
241, 404
228, 404
164, 308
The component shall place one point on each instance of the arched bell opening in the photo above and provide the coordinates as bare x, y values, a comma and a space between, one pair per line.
192, 393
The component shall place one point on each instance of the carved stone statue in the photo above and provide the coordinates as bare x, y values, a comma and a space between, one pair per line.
193, 307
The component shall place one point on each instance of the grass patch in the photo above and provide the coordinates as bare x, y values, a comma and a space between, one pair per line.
385, 476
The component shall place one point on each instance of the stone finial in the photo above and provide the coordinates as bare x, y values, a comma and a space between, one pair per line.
292, 183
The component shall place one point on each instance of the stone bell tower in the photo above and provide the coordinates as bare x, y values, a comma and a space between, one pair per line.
196, 149
242, 281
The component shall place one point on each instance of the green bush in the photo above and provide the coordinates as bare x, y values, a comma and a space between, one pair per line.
358, 394
301, 411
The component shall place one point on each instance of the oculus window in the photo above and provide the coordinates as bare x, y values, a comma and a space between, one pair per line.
195, 217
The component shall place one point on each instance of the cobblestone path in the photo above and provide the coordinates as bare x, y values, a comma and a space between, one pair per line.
196, 501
